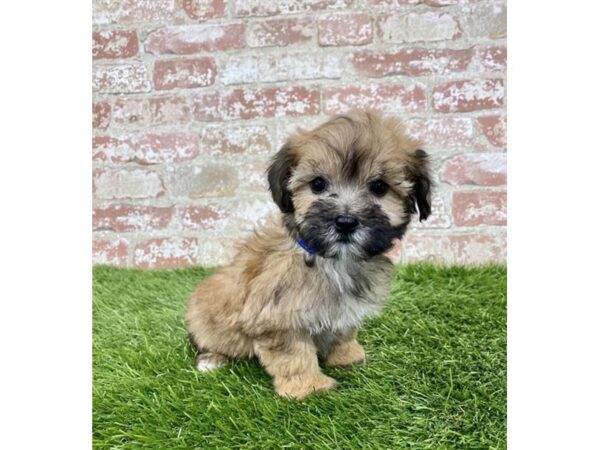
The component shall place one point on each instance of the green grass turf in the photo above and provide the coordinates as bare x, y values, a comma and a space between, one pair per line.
436, 377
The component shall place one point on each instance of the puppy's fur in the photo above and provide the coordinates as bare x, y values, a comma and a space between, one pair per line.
287, 306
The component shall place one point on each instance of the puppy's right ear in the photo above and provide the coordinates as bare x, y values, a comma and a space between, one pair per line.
278, 174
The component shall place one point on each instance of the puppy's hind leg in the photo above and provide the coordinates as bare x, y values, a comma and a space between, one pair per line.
210, 361
206, 360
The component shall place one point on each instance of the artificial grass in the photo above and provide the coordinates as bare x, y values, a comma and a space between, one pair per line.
436, 376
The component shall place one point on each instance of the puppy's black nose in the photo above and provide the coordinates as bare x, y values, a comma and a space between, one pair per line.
346, 224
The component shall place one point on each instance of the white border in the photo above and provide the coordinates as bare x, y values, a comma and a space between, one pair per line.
553, 156
45, 180
45, 317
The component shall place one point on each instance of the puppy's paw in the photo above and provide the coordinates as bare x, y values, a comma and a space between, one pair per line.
210, 361
346, 354
300, 386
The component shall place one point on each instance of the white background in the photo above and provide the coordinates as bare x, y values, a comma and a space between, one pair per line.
45, 242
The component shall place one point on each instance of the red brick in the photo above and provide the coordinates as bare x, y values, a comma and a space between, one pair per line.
443, 133
467, 248
207, 180
286, 128
237, 216
243, 8
127, 183
123, 78
201, 218
403, 3
412, 62
151, 148
243, 215
484, 20
394, 3
164, 110
114, 44
280, 32
337, 29
110, 11
101, 115
492, 58
184, 73
253, 176
468, 95
448, 2
270, 102
205, 107
484, 169
154, 148
384, 98
128, 218
169, 110
479, 248
427, 247
248, 140
494, 129
113, 253
281, 67
479, 208
217, 251
166, 253
417, 26
128, 111
204, 9
113, 149
187, 39
440, 215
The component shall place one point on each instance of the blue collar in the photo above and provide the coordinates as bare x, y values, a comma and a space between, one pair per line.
305, 246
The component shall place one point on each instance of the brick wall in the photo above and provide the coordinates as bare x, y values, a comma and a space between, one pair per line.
191, 98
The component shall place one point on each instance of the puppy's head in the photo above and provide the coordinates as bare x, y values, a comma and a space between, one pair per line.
351, 185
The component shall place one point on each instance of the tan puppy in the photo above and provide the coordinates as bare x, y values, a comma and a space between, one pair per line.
301, 287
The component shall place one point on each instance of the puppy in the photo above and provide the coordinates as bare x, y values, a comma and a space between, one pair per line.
299, 289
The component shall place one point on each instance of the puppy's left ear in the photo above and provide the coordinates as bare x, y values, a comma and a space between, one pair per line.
420, 175
278, 174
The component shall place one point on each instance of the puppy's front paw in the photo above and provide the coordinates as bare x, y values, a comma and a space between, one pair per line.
346, 354
299, 386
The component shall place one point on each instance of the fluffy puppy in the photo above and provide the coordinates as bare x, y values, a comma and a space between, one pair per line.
299, 289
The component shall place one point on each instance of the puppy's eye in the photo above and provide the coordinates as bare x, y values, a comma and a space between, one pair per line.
378, 187
318, 185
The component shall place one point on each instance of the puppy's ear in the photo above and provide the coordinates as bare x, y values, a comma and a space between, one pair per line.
278, 174
420, 175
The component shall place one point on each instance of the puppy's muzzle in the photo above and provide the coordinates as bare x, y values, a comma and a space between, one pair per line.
346, 224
